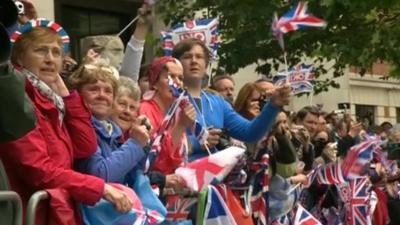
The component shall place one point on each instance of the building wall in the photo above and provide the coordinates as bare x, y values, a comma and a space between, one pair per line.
45, 8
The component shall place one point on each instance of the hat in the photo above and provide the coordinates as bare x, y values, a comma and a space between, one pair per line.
41, 22
156, 67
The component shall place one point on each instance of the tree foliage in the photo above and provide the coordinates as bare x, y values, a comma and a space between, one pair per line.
358, 33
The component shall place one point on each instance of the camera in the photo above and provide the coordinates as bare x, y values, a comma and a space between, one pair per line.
262, 101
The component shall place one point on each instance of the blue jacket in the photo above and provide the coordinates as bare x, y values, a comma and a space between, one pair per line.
218, 113
112, 160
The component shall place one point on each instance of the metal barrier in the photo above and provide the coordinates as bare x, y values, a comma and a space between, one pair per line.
33, 203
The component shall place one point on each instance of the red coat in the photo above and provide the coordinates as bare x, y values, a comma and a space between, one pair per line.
43, 159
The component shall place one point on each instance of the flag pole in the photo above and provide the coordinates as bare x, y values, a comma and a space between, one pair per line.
311, 96
286, 67
127, 26
208, 149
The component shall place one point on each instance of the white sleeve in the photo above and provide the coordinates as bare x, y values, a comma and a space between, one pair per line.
132, 59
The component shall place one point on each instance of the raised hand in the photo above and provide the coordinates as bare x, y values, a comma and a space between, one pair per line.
187, 116
59, 87
213, 138
139, 132
282, 95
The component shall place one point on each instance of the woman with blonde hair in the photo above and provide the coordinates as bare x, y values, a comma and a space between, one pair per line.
112, 161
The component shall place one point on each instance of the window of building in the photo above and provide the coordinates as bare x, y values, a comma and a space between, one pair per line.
102, 17
365, 114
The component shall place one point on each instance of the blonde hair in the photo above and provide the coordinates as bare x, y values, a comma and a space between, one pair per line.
36, 35
127, 86
90, 74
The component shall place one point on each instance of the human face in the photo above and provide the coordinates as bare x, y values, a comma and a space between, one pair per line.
99, 98
173, 71
194, 64
124, 111
310, 122
44, 60
321, 123
225, 87
253, 106
281, 121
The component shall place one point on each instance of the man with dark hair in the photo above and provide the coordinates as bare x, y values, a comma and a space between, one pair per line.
308, 117
225, 86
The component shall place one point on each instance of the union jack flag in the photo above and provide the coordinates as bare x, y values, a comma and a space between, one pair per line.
358, 206
181, 100
259, 197
205, 30
297, 18
358, 159
303, 217
330, 174
178, 207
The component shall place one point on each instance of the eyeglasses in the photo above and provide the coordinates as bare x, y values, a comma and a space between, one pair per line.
44, 51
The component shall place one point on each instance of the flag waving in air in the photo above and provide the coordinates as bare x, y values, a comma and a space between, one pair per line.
297, 18
211, 169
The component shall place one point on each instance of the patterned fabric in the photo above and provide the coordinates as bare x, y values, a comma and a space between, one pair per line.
356, 197
41, 22
47, 92
259, 195
178, 207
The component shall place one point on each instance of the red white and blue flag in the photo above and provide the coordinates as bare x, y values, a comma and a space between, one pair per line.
297, 18
303, 217
212, 169
358, 206
301, 78
205, 30
178, 207
259, 195
330, 174
181, 101
358, 158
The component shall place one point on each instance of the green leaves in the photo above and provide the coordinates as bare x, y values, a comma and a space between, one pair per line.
359, 33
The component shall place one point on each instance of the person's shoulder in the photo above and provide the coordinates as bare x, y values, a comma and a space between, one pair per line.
213, 95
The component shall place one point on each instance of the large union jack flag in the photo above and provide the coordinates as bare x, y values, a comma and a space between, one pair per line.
358, 205
297, 18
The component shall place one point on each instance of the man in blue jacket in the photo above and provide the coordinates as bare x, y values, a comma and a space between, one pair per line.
212, 111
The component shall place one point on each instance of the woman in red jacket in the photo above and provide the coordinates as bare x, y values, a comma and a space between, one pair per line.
43, 158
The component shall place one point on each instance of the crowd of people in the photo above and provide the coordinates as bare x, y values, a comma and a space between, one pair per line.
75, 130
